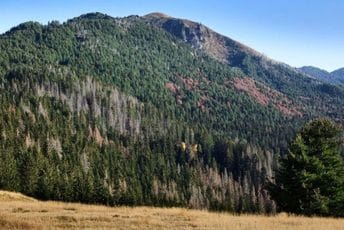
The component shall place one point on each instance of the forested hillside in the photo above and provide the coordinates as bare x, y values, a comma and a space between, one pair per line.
295, 90
334, 77
119, 111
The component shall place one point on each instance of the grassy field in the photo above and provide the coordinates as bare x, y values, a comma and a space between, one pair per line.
21, 212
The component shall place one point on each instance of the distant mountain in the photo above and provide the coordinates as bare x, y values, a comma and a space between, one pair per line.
338, 75
316, 73
335, 77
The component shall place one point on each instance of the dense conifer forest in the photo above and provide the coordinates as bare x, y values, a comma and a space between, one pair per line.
119, 111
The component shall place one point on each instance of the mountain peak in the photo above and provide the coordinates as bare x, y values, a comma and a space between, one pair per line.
313, 68
335, 77
94, 15
340, 70
220, 47
156, 15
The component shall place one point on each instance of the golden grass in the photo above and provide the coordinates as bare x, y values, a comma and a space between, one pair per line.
14, 196
21, 213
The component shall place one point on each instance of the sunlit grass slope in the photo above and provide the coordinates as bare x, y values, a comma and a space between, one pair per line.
21, 212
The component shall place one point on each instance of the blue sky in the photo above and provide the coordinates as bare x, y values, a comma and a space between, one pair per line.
297, 32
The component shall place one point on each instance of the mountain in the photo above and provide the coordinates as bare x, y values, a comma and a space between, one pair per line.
255, 65
201, 37
286, 81
147, 110
317, 73
338, 75
335, 77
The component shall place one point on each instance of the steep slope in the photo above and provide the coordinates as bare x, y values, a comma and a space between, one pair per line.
335, 77
119, 111
289, 82
199, 36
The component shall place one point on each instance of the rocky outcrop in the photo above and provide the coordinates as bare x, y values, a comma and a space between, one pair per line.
201, 37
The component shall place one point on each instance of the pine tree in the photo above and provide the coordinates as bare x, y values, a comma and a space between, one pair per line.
9, 179
310, 179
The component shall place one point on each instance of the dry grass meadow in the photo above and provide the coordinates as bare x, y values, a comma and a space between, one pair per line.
20, 212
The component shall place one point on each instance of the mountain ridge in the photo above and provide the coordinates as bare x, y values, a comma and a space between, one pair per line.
334, 77
160, 19
228, 51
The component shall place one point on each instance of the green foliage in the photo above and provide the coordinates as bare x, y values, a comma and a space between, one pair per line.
85, 115
140, 59
311, 179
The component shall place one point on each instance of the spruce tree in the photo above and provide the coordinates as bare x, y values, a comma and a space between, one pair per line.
310, 179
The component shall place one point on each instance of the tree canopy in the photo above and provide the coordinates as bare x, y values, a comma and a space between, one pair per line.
310, 179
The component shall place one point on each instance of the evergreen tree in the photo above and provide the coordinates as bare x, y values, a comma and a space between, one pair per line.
310, 179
